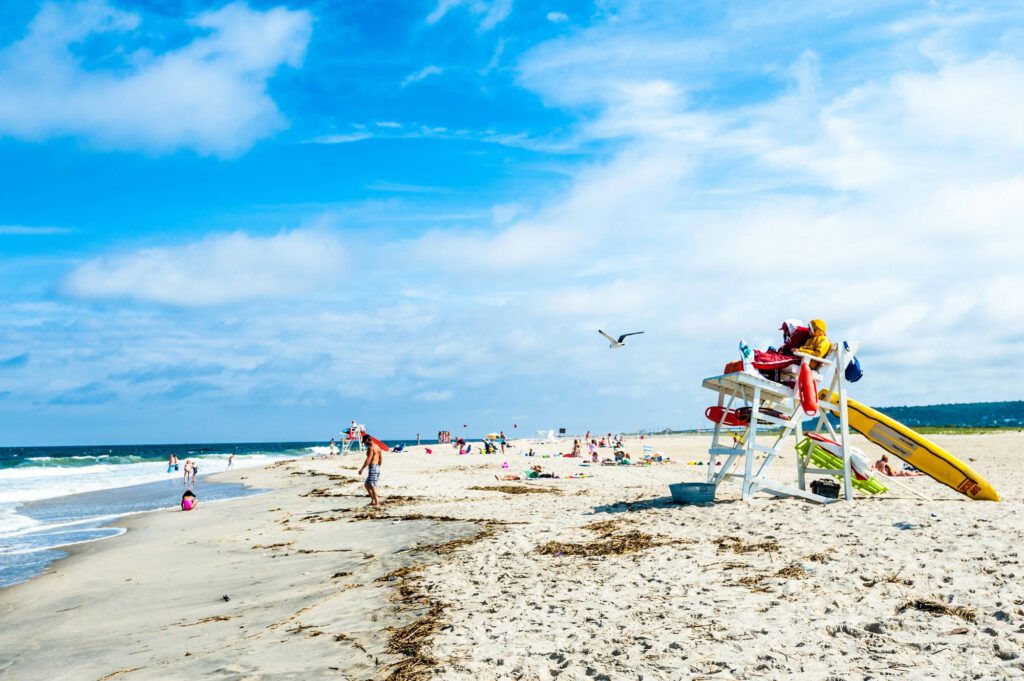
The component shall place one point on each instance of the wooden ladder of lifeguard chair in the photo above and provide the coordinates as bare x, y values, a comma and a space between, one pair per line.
759, 393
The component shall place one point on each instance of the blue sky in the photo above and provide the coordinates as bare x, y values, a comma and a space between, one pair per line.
258, 221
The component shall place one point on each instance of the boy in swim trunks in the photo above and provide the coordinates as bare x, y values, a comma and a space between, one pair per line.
374, 459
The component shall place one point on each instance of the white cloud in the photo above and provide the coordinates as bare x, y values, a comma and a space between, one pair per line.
435, 396
388, 124
491, 12
30, 230
495, 60
218, 269
496, 13
209, 95
341, 138
700, 224
558, 17
425, 72
402, 188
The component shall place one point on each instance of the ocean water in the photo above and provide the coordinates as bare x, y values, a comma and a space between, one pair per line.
53, 497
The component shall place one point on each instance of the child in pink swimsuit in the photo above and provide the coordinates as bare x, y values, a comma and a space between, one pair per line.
188, 501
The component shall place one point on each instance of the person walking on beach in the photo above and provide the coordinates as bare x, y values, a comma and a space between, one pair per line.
503, 441
417, 439
231, 458
188, 470
195, 471
374, 460
172, 463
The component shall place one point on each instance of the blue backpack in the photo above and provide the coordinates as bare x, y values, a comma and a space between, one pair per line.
853, 371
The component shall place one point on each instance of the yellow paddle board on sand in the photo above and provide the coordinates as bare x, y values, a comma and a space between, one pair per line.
919, 452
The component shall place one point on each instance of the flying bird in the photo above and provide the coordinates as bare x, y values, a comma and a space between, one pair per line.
620, 342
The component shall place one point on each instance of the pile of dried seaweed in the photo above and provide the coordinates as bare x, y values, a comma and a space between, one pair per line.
937, 607
321, 492
517, 489
401, 572
604, 528
893, 578
447, 547
737, 545
794, 571
629, 542
412, 642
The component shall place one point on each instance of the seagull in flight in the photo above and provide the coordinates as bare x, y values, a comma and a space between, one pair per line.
614, 343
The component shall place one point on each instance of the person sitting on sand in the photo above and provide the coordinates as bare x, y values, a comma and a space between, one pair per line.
538, 472
603, 443
189, 501
883, 467
575, 448
374, 460
592, 448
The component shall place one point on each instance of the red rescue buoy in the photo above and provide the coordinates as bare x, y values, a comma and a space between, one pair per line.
808, 391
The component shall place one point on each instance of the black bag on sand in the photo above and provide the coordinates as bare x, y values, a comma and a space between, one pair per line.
825, 488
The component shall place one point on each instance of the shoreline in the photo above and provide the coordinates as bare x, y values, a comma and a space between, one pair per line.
62, 522
179, 565
592, 577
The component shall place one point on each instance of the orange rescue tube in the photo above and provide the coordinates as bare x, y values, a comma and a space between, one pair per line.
808, 391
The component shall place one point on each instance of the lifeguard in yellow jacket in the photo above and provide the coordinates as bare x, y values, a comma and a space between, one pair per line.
818, 344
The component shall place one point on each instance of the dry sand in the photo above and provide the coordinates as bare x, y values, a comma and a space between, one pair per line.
764, 589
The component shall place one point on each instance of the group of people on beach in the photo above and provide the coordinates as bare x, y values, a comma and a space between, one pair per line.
593, 445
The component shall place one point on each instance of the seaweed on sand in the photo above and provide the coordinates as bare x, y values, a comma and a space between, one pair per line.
937, 607
516, 489
412, 642
448, 547
893, 578
401, 572
630, 542
737, 545
794, 571
604, 528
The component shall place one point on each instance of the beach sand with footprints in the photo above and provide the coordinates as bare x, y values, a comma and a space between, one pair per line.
461, 576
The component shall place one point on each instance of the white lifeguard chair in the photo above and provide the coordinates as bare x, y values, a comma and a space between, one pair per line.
758, 451
353, 439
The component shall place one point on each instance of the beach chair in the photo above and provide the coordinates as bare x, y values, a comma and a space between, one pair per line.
546, 437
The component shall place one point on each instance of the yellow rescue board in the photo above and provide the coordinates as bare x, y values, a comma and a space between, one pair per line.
919, 452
